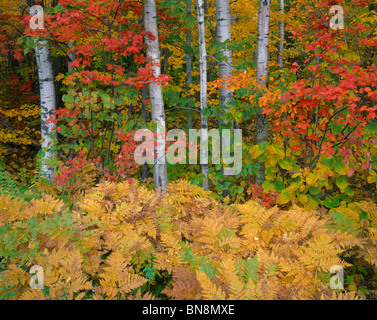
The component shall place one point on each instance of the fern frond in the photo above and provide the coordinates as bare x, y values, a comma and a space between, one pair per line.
209, 290
32, 294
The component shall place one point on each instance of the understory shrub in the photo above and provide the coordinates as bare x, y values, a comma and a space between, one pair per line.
124, 241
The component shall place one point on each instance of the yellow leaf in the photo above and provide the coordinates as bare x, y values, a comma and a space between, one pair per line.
302, 198
311, 179
352, 287
255, 152
371, 178
284, 197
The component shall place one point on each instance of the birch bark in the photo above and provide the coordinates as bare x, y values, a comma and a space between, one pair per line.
203, 91
155, 93
48, 102
262, 72
223, 35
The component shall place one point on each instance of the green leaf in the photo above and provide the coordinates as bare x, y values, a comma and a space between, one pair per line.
328, 203
206, 112
340, 167
314, 190
341, 182
335, 201
268, 186
279, 185
284, 197
372, 126
348, 191
246, 115
285, 164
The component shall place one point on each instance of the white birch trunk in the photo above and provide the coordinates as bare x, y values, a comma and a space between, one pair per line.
225, 65
262, 71
223, 35
155, 93
203, 91
48, 102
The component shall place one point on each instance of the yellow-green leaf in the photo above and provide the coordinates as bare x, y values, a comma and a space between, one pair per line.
341, 182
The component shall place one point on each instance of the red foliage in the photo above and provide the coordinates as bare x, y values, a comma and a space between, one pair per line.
267, 200
70, 168
124, 162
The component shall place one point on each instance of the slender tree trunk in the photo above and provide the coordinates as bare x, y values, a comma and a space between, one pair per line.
373, 102
71, 56
281, 31
281, 57
48, 101
203, 91
262, 71
226, 62
155, 93
223, 35
189, 67
144, 97
144, 115
165, 61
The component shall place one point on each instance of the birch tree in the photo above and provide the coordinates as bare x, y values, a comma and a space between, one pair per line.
262, 72
224, 35
203, 91
225, 64
47, 98
155, 93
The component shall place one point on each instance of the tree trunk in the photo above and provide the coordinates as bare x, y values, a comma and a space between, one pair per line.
281, 36
155, 93
262, 72
225, 64
223, 35
144, 115
71, 55
144, 110
48, 101
203, 91
189, 68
